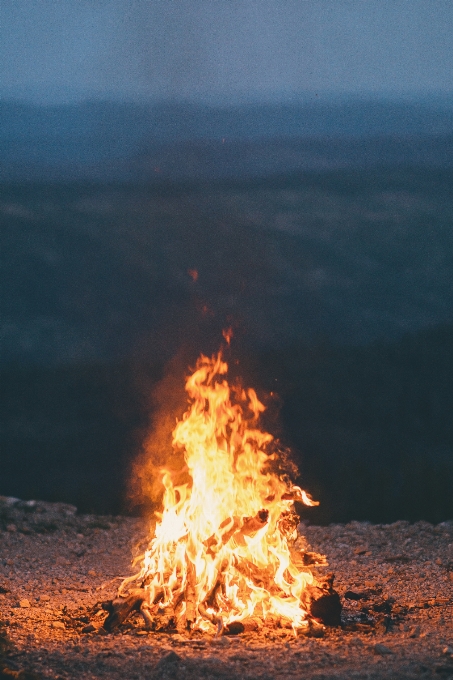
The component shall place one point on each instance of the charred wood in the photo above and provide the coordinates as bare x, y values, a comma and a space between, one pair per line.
325, 604
247, 625
119, 609
190, 596
236, 528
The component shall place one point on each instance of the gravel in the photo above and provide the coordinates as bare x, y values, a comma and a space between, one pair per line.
56, 567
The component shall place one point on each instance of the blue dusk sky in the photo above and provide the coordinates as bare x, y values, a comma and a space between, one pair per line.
223, 50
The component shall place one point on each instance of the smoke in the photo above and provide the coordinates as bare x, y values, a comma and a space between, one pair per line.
168, 402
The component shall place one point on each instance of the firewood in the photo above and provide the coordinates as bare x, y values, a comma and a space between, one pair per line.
248, 625
324, 602
260, 577
190, 595
236, 528
314, 559
250, 526
144, 611
209, 601
119, 609
226, 530
298, 494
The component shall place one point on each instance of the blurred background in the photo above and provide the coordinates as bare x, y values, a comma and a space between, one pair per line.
283, 167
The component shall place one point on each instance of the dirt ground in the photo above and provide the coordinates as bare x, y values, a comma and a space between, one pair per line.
56, 567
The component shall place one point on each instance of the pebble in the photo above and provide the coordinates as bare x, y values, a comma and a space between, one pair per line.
221, 642
168, 662
90, 628
59, 625
24, 604
382, 649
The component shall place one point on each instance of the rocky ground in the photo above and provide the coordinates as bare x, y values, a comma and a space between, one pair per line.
56, 567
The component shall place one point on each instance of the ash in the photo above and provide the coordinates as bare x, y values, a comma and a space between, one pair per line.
57, 567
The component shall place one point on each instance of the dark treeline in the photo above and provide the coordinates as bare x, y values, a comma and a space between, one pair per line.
370, 427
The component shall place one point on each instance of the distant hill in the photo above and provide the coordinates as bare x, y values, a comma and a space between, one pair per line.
370, 427
106, 141
99, 272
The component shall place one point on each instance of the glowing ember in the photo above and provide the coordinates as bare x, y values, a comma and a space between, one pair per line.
225, 547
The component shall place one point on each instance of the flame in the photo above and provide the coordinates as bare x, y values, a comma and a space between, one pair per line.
222, 548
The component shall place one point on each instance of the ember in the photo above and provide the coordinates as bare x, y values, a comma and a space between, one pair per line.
225, 555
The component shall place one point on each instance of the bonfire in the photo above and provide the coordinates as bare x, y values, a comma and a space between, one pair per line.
225, 554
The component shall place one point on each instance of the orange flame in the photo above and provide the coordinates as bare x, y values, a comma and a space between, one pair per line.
223, 545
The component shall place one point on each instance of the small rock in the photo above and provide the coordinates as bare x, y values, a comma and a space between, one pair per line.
63, 561
92, 573
447, 651
450, 575
221, 641
90, 628
24, 604
142, 632
29, 505
168, 662
415, 632
353, 595
382, 626
8, 500
382, 650
59, 625
11, 528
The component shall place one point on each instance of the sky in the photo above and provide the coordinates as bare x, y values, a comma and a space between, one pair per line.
223, 50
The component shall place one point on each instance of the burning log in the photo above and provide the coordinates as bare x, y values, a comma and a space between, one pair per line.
209, 602
119, 609
236, 528
298, 494
190, 595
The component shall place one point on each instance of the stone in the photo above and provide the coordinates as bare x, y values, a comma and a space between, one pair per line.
59, 625
382, 650
90, 628
24, 604
168, 662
